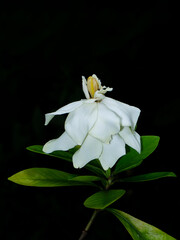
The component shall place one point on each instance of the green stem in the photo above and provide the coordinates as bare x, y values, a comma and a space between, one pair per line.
85, 231
109, 183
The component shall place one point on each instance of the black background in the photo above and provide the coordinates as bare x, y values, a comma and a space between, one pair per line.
44, 51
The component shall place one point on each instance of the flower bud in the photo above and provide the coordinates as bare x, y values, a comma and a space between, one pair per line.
92, 85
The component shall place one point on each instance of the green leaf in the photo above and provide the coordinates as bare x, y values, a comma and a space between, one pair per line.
59, 154
86, 178
148, 177
46, 177
138, 229
98, 171
94, 167
102, 199
132, 158
108, 173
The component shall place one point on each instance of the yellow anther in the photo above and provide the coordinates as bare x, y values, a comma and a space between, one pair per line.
92, 85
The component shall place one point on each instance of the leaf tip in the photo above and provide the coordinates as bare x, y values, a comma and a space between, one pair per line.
172, 174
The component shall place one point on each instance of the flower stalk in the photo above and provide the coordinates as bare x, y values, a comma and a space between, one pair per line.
109, 183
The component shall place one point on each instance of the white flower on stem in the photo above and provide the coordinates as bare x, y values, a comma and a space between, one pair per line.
100, 125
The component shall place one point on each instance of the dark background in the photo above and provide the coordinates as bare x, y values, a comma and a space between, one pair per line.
44, 51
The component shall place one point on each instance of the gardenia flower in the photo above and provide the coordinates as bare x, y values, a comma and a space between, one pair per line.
100, 125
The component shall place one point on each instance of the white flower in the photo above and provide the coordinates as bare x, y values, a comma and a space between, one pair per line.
100, 125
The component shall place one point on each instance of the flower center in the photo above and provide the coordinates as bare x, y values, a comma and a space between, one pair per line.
92, 85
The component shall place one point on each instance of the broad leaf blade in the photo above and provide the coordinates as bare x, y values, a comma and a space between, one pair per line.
93, 167
102, 199
86, 178
59, 154
148, 177
138, 229
46, 177
133, 159
98, 171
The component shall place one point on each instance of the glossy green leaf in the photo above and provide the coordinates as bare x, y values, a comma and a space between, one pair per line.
46, 177
148, 177
98, 171
94, 166
138, 229
102, 199
59, 154
132, 158
108, 173
86, 178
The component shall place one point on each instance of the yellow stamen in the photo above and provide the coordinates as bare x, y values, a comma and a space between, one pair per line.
92, 85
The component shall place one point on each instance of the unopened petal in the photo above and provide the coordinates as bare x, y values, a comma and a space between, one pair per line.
84, 87
90, 149
64, 143
107, 124
66, 109
80, 121
131, 138
128, 114
98, 80
112, 152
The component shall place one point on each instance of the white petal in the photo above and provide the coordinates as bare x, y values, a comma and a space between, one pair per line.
84, 87
64, 143
98, 80
131, 138
98, 95
90, 149
80, 121
107, 124
66, 109
91, 100
128, 114
112, 152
